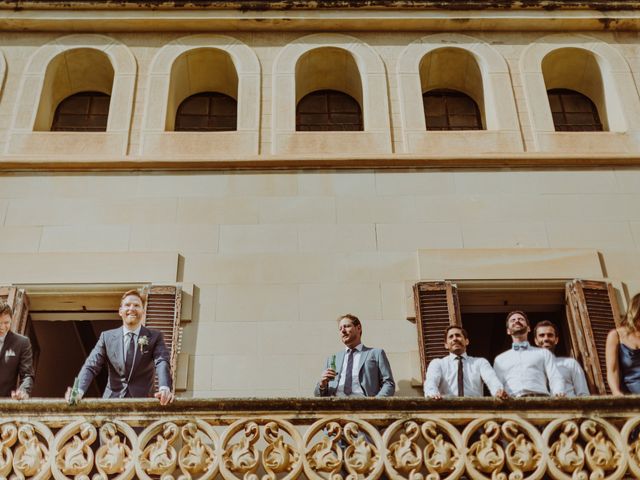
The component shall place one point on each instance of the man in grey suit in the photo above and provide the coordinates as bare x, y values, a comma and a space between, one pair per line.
133, 354
357, 371
16, 359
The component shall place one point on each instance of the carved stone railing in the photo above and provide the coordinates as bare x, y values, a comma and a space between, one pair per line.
322, 439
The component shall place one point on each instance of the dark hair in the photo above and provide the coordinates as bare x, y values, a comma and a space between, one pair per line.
512, 313
546, 323
5, 308
451, 327
134, 293
355, 320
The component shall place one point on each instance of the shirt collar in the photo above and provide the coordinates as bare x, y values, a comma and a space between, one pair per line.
454, 356
521, 345
357, 348
136, 332
2, 338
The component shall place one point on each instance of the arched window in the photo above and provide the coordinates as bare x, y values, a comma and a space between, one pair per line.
82, 112
573, 111
450, 110
207, 112
328, 110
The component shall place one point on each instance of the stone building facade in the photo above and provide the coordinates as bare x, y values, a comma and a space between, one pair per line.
271, 232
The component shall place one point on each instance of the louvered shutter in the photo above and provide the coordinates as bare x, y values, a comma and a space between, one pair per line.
163, 313
437, 307
592, 310
19, 301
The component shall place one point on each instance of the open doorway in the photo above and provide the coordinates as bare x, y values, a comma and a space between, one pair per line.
60, 348
483, 313
64, 325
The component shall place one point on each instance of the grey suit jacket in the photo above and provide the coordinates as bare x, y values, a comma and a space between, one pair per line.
16, 360
149, 360
374, 374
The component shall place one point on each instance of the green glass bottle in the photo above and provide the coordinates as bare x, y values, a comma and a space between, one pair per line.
333, 362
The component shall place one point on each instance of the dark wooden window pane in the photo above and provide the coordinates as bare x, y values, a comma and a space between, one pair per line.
573, 112
450, 110
328, 110
207, 112
82, 112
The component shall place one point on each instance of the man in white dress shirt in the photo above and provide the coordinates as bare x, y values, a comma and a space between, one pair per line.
356, 371
525, 370
458, 374
546, 336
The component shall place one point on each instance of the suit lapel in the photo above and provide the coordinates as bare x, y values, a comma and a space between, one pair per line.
364, 354
116, 345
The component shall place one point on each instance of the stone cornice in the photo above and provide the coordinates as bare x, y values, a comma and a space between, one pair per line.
374, 15
321, 406
286, 5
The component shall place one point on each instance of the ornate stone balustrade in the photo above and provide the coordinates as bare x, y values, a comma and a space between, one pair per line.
322, 439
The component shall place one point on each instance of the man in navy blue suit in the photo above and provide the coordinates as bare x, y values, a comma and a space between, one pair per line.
133, 355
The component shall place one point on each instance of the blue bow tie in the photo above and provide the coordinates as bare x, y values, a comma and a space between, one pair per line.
520, 345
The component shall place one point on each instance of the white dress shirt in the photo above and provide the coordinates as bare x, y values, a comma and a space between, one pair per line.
575, 382
2, 340
442, 376
526, 372
356, 389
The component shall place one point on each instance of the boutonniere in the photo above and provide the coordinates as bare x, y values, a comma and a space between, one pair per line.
143, 341
9, 353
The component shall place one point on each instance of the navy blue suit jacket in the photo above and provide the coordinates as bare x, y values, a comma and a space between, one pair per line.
150, 359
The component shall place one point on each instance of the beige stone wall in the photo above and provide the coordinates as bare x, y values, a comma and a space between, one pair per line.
275, 257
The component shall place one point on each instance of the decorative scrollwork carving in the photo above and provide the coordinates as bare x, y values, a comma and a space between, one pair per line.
405, 457
566, 453
114, 457
630, 434
278, 457
326, 455
76, 457
31, 457
197, 459
160, 457
601, 454
241, 457
584, 449
8, 437
349, 445
505, 448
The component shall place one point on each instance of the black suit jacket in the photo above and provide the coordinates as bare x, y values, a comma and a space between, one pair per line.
150, 359
16, 360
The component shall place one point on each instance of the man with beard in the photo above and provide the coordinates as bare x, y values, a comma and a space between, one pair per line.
357, 371
524, 370
133, 355
546, 336
459, 374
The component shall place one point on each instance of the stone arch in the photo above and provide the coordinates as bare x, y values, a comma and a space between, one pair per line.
617, 98
495, 98
159, 104
376, 137
31, 109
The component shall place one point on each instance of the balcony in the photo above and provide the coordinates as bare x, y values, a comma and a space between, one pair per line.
322, 439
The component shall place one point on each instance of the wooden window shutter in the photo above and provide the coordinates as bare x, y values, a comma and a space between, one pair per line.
163, 313
592, 310
19, 301
437, 307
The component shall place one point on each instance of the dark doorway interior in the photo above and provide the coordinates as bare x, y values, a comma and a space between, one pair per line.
488, 333
62, 347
